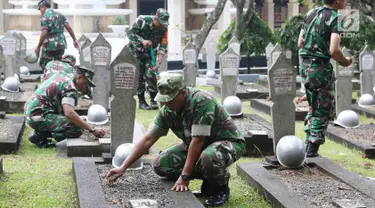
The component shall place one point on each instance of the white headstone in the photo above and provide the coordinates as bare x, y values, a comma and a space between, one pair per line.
211, 58
282, 89
124, 83
275, 52
229, 66
85, 53
190, 62
9, 44
366, 67
235, 44
81, 40
100, 60
343, 86
268, 51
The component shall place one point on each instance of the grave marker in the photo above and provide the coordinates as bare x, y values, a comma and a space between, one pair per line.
288, 55
275, 52
164, 64
18, 53
124, 83
23, 49
366, 67
343, 86
100, 61
211, 58
190, 61
81, 40
235, 44
229, 62
8, 42
268, 51
282, 82
85, 53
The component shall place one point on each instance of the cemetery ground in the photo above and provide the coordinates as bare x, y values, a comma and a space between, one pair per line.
40, 178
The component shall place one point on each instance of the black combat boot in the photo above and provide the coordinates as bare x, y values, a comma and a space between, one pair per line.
142, 102
41, 139
312, 149
154, 104
218, 196
205, 190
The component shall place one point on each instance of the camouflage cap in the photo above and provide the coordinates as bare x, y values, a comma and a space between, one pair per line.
87, 73
44, 3
169, 86
71, 60
163, 16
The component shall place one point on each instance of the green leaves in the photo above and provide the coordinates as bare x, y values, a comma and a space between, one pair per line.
119, 20
288, 34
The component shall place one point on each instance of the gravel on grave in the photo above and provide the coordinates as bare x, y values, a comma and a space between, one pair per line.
106, 127
6, 130
246, 124
303, 106
141, 184
364, 134
11, 96
317, 188
84, 103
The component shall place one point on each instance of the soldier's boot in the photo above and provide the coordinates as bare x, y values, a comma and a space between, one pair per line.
142, 102
218, 196
205, 190
41, 139
154, 104
312, 150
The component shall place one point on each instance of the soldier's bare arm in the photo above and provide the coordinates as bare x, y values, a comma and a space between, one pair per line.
43, 36
71, 32
300, 38
336, 52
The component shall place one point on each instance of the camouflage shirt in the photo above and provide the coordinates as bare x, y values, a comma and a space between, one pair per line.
54, 67
50, 96
54, 23
202, 116
318, 25
144, 29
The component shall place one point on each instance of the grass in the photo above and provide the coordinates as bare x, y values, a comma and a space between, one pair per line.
38, 178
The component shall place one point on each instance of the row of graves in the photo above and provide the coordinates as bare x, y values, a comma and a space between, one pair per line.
286, 178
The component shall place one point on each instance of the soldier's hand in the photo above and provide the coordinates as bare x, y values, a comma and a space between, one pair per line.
115, 173
181, 185
76, 44
99, 133
147, 43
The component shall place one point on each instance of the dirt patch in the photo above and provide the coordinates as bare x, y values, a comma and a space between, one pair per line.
364, 134
6, 130
246, 124
141, 184
11, 96
317, 188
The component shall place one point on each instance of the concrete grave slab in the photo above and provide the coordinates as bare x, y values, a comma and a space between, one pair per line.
369, 112
31, 78
12, 128
361, 138
282, 191
91, 194
257, 133
247, 90
81, 147
17, 100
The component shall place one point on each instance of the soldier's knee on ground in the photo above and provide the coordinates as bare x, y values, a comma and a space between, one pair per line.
213, 168
164, 170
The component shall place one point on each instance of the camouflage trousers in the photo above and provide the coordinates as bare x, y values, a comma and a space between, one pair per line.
58, 126
320, 93
146, 76
212, 164
48, 56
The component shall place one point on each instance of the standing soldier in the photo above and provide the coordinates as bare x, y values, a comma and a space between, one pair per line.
52, 40
147, 33
319, 41
50, 110
210, 143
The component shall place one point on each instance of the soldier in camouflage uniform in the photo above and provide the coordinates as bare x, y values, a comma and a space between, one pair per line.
211, 140
149, 32
52, 40
319, 41
50, 110
65, 66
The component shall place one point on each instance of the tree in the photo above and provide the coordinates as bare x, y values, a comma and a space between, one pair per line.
288, 34
365, 6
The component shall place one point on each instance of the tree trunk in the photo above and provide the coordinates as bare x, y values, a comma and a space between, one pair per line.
239, 6
211, 19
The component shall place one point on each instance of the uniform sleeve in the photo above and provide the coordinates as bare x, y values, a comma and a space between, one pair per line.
133, 33
69, 95
334, 25
158, 127
44, 23
163, 48
203, 118
65, 21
